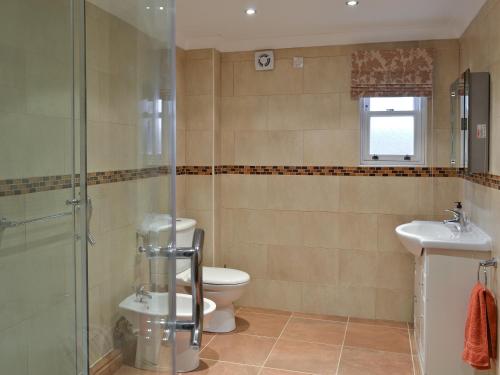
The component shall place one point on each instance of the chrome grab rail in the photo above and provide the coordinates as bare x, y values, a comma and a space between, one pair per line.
195, 254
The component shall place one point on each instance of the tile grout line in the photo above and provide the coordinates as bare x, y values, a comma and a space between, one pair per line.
274, 346
342, 347
411, 351
327, 320
296, 340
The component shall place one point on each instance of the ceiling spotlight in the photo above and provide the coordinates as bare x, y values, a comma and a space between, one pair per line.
161, 8
148, 7
250, 11
352, 3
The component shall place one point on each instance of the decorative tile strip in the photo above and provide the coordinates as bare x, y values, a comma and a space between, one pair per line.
28, 185
38, 184
204, 170
338, 171
489, 180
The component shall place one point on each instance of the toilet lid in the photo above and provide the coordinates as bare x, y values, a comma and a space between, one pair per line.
218, 276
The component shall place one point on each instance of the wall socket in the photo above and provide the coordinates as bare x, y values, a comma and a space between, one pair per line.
298, 62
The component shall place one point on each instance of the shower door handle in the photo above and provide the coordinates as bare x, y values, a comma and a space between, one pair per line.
90, 209
195, 254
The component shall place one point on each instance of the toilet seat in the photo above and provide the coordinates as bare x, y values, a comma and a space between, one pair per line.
217, 276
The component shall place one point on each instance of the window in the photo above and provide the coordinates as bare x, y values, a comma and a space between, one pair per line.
393, 131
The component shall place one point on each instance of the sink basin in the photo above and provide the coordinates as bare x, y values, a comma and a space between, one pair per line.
418, 235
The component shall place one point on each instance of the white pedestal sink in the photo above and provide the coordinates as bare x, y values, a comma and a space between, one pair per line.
419, 235
446, 263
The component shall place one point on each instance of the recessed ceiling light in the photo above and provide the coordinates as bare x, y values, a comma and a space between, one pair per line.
161, 8
148, 8
250, 11
352, 3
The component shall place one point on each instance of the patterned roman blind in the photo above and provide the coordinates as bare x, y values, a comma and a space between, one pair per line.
395, 72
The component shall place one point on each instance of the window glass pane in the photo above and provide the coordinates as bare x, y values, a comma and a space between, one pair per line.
393, 135
392, 104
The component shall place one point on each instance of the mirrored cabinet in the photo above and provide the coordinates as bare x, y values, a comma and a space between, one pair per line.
470, 122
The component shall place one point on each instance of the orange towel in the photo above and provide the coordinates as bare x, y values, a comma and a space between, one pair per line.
481, 329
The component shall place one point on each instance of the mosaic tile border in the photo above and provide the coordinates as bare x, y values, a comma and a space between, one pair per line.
21, 186
338, 171
488, 180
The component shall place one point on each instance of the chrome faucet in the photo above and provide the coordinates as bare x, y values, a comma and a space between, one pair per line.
141, 293
459, 219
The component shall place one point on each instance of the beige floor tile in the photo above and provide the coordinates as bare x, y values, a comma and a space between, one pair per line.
333, 318
206, 338
378, 338
385, 323
304, 357
370, 362
264, 311
208, 367
260, 324
249, 350
324, 332
272, 371
126, 370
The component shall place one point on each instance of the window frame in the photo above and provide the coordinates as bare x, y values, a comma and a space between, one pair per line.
420, 147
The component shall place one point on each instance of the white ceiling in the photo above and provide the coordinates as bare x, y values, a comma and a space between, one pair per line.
222, 24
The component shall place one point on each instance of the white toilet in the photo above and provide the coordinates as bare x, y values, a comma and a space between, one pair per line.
221, 285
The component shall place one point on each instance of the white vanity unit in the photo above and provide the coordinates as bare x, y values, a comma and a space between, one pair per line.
446, 270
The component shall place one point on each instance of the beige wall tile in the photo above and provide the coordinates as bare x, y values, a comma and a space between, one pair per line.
294, 263
446, 68
268, 227
304, 193
244, 113
199, 112
331, 147
199, 76
357, 268
295, 112
349, 112
316, 298
353, 301
284, 79
327, 74
340, 230
244, 191
394, 305
387, 239
251, 258
274, 294
227, 78
227, 147
199, 147
250, 147
268, 148
284, 148
180, 147
199, 192
395, 271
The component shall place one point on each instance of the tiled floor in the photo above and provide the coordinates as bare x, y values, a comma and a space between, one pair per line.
270, 342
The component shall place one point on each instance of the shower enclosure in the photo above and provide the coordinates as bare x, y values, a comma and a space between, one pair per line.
87, 157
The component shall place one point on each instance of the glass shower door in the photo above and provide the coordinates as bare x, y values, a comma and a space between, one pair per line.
130, 49
42, 250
